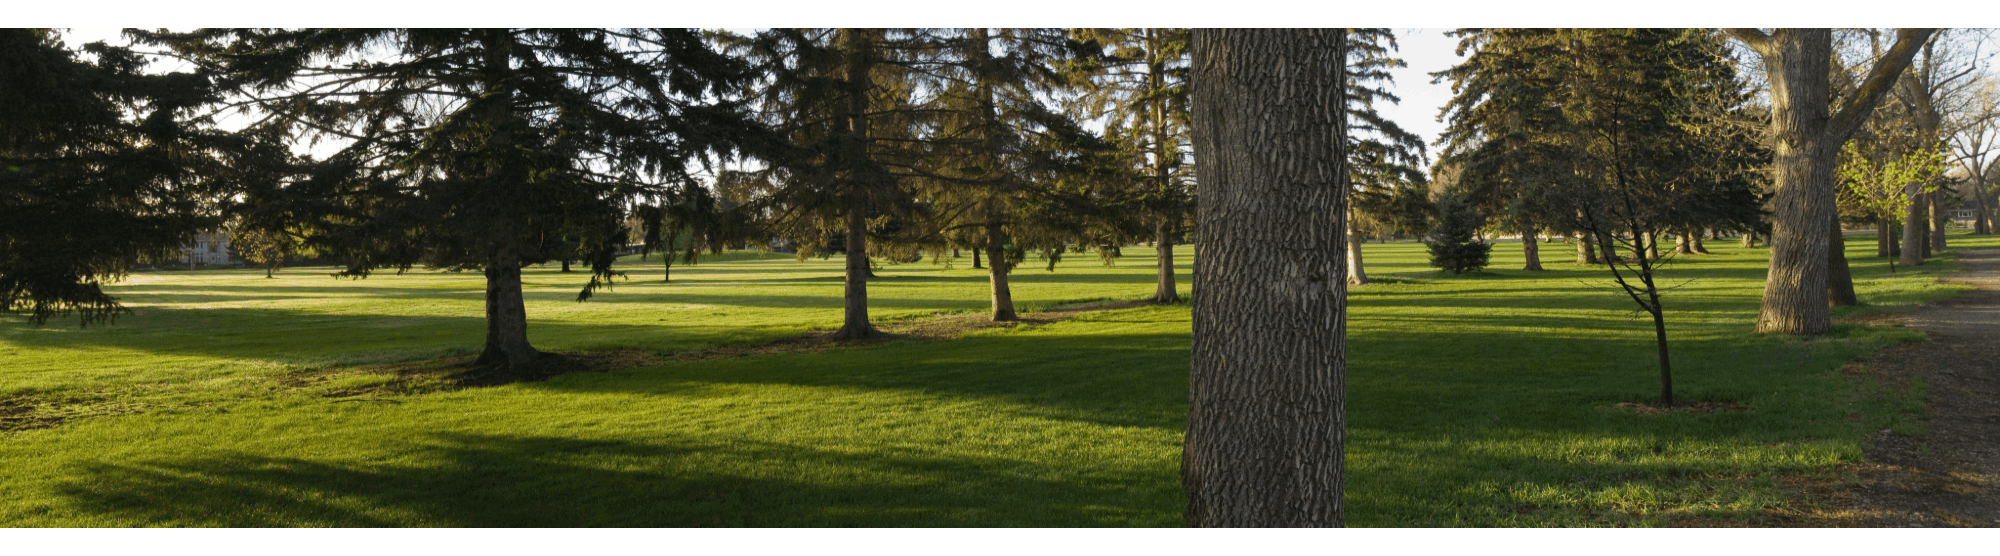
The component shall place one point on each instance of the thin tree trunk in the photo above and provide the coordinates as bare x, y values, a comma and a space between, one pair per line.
1839, 282
1882, 243
1530, 250
1267, 414
854, 323
1940, 222
1356, 275
666, 268
996, 254
975, 259
270, 268
1166, 291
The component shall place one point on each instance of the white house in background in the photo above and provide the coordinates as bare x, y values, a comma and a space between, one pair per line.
208, 248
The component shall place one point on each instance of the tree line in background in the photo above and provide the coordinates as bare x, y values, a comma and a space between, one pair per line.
491, 149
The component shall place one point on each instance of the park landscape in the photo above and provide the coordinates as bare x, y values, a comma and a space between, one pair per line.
996, 278
227, 399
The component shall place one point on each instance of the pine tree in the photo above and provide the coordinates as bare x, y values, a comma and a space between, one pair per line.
1140, 90
1451, 242
479, 149
1383, 158
101, 165
844, 100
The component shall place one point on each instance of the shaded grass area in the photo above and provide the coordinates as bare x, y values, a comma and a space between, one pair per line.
1486, 400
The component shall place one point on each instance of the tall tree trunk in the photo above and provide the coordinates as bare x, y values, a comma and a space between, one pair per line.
506, 312
1267, 413
1356, 275
1795, 289
1806, 137
1839, 282
1163, 243
1530, 250
1980, 226
854, 324
1652, 245
996, 257
975, 259
1586, 252
1940, 221
1913, 229
859, 54
565, 263
666, 267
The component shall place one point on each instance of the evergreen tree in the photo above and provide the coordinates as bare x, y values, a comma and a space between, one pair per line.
844, 101
1451, 242
1139, 88
1383, 158
101, 165
480, 149
1498, 120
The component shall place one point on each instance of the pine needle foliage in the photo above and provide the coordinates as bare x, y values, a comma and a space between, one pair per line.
101, 165
479, 149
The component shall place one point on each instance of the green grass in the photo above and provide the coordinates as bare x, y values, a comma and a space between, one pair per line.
1482, 400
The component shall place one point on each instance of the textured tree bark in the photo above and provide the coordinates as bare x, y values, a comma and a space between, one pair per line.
506, 314
1356, 275
1167, 291
1530, 249
854, 323
1802, 167
1913, 229
1839, 282
1806, 137
1266, 415
996, 256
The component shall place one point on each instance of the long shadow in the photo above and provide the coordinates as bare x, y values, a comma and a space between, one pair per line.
479, 480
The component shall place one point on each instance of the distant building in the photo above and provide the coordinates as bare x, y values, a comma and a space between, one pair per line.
209, 248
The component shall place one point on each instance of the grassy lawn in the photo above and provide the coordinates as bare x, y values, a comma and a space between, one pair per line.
1483, 400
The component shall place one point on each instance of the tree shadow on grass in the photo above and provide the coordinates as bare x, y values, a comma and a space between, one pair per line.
475, 480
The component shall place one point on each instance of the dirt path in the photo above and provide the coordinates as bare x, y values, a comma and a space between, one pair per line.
1950, 476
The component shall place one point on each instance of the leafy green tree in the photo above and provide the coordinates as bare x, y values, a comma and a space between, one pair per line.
1498, 119
101, 165
1882, 188
479, 149
262, 247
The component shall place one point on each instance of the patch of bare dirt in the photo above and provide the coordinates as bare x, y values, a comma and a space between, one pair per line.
1950, 475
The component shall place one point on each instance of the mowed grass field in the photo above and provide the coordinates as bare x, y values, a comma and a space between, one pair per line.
1480, 400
